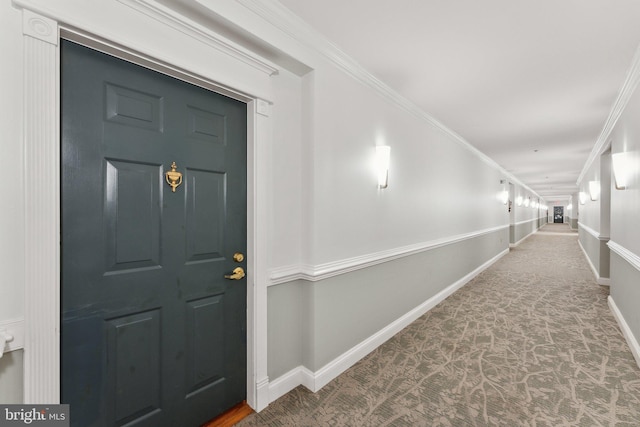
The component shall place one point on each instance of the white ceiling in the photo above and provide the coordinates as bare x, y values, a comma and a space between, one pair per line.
509, 76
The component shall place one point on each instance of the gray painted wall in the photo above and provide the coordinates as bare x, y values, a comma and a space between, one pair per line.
542, 221
11, 377
336, 314
518, 232
605, 260
591, 246
597, 251
625, 291
286, 306
625, 211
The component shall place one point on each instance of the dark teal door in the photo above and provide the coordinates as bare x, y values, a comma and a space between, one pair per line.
152, 332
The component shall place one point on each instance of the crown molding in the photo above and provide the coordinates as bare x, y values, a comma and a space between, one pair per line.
196, 31
624, 95
282, 18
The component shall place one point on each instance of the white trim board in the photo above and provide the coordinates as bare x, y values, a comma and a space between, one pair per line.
589, 230
625, 254
605, 281
196, 31
526, 221
314, 381
626, 330
42, 206
314, 273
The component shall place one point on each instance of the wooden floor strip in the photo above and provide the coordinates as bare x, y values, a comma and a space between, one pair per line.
232, 416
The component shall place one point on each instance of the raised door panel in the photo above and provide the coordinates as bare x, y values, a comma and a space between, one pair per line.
134, 367
205, 215
132, 216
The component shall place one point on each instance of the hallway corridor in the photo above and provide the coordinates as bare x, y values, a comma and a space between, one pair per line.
530, 341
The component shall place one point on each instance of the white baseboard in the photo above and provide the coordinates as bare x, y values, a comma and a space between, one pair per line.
605, 281
287, 382
513, 245
262, 395
626, 331
314, 381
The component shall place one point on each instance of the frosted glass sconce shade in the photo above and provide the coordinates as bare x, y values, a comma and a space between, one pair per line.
504, 197
383, 159
594, 190
583, 197
527, 201
622, 169
519, 200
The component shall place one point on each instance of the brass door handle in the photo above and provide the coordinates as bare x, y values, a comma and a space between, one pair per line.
238, 273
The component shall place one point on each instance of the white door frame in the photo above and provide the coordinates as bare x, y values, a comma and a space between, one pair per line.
41, 141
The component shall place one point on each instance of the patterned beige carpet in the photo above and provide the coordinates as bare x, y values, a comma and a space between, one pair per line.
557, 228
529, 342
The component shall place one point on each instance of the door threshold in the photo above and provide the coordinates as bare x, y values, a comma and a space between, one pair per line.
232, 416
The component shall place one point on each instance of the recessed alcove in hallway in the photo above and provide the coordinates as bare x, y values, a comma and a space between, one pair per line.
529, 341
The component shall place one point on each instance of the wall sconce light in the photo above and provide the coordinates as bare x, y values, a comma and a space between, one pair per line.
569, 206
622, 169
583, 197
383, 159
504, 197
519, 201
594, 190
527, 201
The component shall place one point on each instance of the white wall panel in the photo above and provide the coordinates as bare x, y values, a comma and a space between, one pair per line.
437, 188
11, 151
625, 204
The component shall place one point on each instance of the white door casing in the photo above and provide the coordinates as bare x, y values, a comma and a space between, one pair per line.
42, 208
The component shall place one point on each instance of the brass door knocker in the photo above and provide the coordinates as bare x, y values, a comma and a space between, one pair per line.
173, 177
